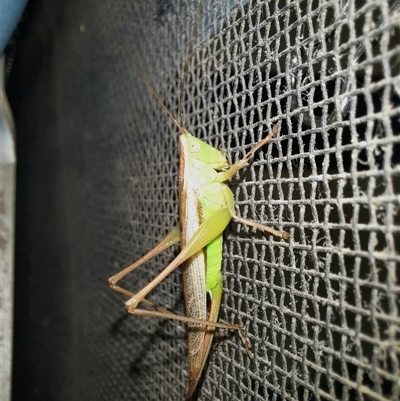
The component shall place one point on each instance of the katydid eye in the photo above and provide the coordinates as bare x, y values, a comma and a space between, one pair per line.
195, 147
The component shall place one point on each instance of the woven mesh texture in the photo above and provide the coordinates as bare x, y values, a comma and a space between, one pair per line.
98, 163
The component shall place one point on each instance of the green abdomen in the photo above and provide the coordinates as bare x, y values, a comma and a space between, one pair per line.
213, 263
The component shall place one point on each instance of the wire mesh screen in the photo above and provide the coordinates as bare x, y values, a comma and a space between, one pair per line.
99, 160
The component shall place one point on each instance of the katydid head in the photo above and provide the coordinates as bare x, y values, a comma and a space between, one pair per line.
201, 151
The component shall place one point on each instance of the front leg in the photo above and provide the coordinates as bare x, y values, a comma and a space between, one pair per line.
226, 175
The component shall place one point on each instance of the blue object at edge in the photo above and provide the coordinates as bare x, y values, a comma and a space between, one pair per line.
10, 14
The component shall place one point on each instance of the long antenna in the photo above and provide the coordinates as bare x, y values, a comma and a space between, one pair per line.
186, 65
180, 126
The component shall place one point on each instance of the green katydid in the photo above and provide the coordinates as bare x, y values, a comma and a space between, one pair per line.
206, 206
